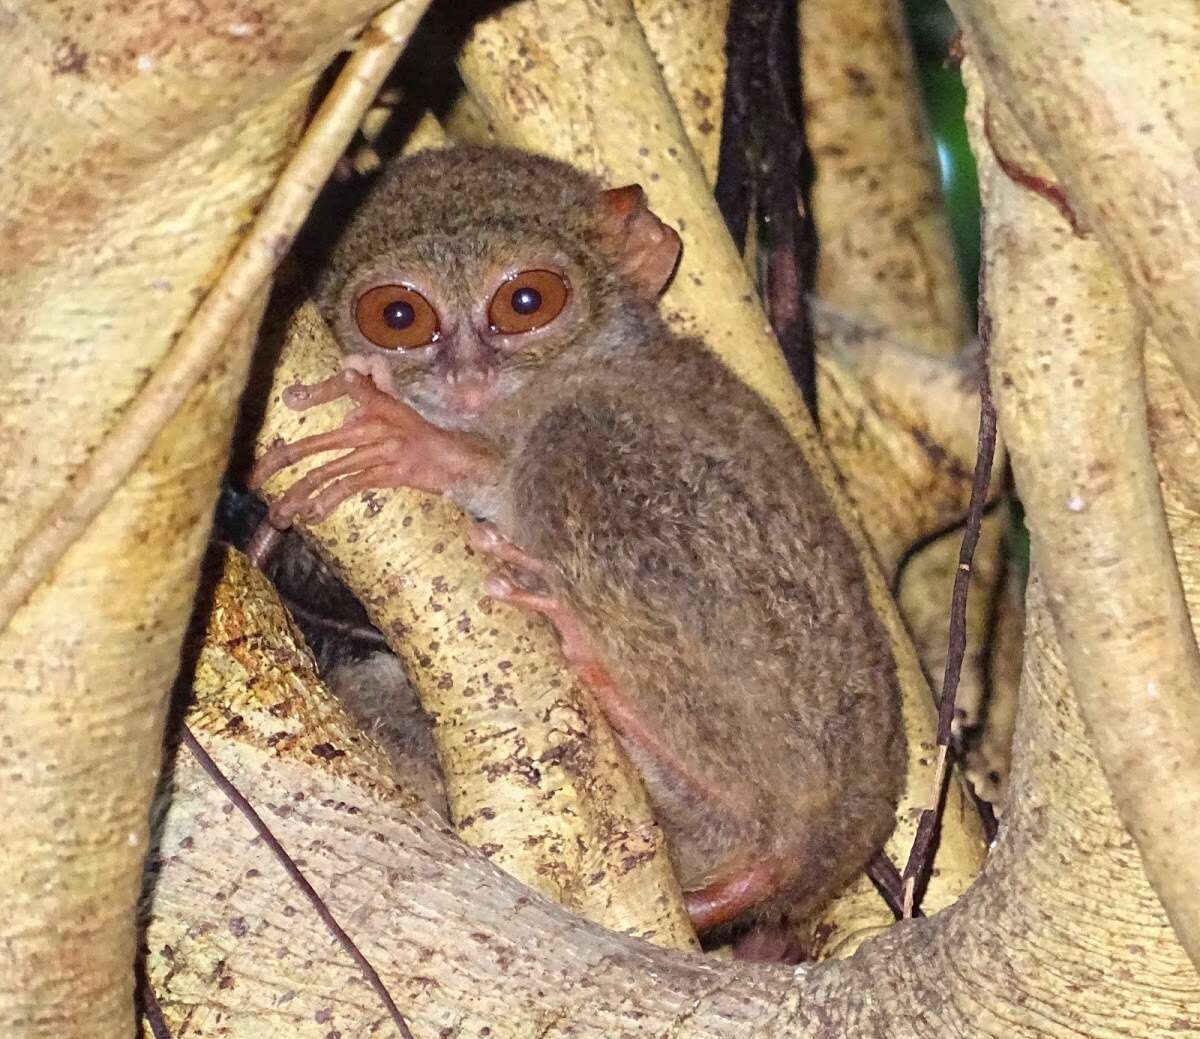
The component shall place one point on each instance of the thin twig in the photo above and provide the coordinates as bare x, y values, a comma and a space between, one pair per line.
298, 878
987, 815
248, 270
882, 872
920, 859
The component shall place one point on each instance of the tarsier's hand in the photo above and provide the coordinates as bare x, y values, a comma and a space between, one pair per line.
388, 444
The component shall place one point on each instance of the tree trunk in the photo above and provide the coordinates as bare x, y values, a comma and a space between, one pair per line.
1029, 951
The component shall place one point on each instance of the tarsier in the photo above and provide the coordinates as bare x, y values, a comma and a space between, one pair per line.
504, 349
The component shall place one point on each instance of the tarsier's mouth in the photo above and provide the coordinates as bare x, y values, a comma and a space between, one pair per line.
452, 403
469, 396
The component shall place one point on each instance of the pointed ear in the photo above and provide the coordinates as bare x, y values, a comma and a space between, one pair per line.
646, 250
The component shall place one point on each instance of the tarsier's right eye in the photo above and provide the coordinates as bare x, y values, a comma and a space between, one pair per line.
396, 317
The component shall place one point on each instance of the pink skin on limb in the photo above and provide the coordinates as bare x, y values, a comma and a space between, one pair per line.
388, 444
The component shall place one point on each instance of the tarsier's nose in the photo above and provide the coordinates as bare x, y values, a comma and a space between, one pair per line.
470, 391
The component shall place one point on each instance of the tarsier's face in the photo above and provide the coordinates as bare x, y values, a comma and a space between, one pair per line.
461, 334
472, 271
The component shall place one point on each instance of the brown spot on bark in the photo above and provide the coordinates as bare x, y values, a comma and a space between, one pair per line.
69, 58
327, 752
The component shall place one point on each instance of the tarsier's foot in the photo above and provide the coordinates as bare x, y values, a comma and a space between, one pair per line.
530, 583
771, 943
263, 544
388, 444
726, 899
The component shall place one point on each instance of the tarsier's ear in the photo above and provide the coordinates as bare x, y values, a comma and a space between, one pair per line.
647, 250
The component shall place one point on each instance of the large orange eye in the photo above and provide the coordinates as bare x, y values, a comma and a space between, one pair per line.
396, 317
527, 301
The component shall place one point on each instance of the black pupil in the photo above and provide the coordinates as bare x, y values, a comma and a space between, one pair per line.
526, 300
399, 315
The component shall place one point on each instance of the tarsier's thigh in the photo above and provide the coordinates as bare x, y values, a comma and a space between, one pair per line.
710, 767
707, 790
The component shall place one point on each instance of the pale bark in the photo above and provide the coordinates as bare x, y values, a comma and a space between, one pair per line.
247, 271
886, 257
1116, 125
1029, 951
987, 755
1068, 370
243, 946
901, 426
134, 162
688, 42
87, 665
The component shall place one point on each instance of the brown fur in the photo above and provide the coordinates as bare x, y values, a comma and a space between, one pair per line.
685, 526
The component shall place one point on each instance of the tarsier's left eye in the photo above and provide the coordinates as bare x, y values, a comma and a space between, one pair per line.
527, 301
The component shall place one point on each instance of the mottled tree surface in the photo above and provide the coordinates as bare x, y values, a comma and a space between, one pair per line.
164, 143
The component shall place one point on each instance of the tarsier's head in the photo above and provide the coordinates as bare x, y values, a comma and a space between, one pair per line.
470, 269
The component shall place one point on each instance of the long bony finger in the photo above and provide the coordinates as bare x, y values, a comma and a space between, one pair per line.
301, 396
321, 505
281, 454
299, 496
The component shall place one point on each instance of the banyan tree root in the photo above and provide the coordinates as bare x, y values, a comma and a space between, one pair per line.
1069, 373
135, 163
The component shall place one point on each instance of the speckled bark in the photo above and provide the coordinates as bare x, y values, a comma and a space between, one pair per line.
1030, 951
1070, 374
687, 38
886, 255
1106, 92
134, 158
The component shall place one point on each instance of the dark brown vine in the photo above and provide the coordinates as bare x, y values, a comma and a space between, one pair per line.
920, 859
765, 172
297, 876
